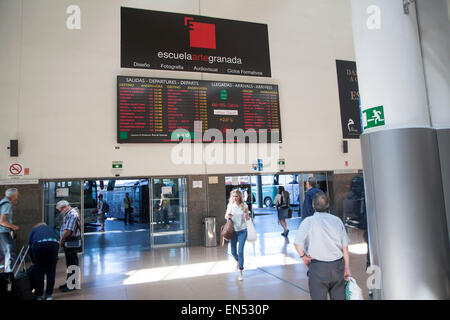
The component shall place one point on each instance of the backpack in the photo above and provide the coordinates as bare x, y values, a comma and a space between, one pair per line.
284, 203
105, 207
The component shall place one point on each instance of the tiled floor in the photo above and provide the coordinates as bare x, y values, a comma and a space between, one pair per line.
273, 269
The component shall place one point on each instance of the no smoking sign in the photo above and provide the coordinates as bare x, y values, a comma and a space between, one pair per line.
15, 170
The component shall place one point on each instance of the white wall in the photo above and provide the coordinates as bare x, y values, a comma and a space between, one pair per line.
58, 87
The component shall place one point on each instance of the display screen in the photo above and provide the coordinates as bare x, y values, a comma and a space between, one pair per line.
169, 110
186, 42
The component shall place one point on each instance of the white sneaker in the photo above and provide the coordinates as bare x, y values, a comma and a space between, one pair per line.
241, 277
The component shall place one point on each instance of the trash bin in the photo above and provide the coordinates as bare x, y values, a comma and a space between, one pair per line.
210, 231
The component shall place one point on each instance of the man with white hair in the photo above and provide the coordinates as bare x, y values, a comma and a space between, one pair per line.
7, 246
70, 229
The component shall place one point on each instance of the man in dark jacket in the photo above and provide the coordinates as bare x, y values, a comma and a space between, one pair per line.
312, 186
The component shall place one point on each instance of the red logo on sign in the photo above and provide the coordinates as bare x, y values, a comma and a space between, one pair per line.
201, 35
15, 169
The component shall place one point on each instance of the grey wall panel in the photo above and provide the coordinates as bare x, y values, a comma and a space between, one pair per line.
407, 226
443, 137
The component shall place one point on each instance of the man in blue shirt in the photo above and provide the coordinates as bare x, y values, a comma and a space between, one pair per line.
44, 246
7, 246
312, 186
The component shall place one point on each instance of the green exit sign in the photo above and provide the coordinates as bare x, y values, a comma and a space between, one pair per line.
117, 164
373, 117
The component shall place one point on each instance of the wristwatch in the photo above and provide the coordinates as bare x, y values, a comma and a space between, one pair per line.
304, 254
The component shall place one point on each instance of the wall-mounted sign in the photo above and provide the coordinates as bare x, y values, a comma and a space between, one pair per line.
281, 164
197, 184
349, 99
15, 170
260, 165
62, 192
185, 42
213, 180
373, 117
117, 164
166, 190
151, 109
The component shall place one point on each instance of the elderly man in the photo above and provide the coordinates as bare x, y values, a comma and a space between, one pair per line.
312, 186
7, 247
322, 243
70, 228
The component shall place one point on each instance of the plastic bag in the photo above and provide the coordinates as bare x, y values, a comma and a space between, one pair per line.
251, 232
352, 291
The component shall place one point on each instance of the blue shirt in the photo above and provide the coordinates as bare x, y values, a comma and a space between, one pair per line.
6, 209
42, 234
307, 209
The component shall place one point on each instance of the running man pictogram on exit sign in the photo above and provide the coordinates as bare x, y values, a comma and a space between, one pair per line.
373, 117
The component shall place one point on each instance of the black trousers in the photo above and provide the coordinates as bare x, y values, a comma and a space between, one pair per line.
129, 213
71, 258
44, 256
327, 278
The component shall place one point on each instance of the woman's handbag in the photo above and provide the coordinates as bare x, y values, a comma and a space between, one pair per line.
226, 232
251, 232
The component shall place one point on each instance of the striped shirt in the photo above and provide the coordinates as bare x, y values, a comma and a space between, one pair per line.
71, 222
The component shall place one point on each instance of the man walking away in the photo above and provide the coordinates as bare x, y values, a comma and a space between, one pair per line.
322, 243
312, 186
7, 246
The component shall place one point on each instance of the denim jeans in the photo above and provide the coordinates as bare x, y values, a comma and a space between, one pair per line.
241, 237
8, 250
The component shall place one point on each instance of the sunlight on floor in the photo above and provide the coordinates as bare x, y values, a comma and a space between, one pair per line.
203, 269
358, 248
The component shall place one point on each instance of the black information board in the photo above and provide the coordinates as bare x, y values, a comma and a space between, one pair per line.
185, 42
349, 99
151, 109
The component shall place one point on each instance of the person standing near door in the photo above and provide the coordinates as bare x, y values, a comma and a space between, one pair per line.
282, 202
312, 186
237, 211
164, 205
70, 228
7, 246
101, 213
128, 209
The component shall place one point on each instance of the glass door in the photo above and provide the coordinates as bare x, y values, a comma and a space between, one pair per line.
169, 211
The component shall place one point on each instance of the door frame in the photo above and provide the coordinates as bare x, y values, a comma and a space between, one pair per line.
184, 190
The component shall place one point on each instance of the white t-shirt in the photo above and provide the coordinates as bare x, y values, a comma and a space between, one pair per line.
238, 217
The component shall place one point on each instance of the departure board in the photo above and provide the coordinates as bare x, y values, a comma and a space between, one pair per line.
159, 110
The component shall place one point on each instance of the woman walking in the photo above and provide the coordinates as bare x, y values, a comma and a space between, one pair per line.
237, 211
282, 203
